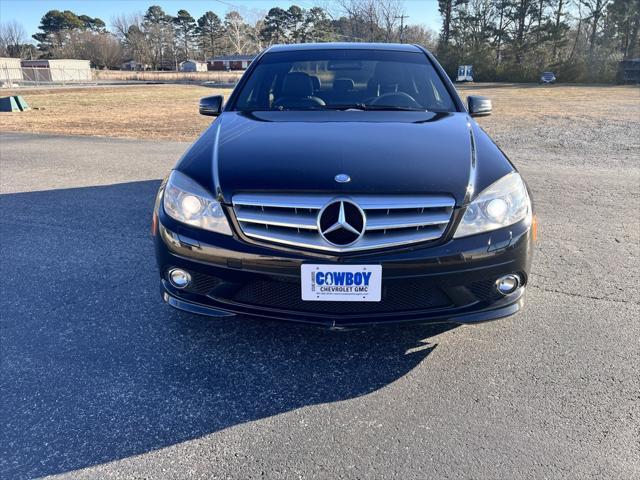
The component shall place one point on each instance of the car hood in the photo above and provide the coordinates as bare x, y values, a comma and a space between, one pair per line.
382, 153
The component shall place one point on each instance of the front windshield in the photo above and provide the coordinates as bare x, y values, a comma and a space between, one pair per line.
343, 80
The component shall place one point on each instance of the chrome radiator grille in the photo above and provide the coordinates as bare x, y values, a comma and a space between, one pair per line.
387, 220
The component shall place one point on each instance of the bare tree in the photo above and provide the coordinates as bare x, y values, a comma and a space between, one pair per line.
120, 24
12, 38
595, 14
390, 13
236, 32
103, 49
371, 20
420, 35
557, 35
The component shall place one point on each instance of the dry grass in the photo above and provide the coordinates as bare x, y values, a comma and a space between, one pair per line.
527, 103
171, 111
148, 111
154, 76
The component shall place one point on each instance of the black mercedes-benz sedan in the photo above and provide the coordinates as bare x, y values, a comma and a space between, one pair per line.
345, 184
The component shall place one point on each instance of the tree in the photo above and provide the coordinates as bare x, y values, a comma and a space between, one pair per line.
447, 10
158, 29
521, 14
559, 29
185, 30
369, 20
515, 40
120, 24
93, 24
595, 9
295, 24
209, 33
59, 31
13, 39
503, 15
236, 33
390, 13
102, 49
275, 26
421, 35
55, 27
318, 26
137, 46
623, 27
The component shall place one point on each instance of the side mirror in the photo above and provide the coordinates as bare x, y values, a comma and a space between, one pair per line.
479, 106
211, 106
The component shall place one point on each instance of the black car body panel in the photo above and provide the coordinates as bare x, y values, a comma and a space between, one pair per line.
384, 153
455, 280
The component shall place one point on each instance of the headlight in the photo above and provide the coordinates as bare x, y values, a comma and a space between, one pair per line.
187, 202
503, 203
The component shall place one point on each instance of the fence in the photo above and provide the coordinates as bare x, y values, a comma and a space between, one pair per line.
35, 76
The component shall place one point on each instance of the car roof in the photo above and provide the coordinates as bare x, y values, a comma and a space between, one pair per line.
402, 47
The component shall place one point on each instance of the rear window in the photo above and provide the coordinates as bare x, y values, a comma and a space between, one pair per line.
342, 79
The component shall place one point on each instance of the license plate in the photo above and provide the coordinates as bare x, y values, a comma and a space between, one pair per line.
341, 283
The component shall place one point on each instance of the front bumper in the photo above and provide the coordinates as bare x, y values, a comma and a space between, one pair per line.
450, 282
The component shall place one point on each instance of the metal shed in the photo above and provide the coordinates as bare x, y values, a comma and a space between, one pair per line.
10, 70
59, 70
193, 66
629, 71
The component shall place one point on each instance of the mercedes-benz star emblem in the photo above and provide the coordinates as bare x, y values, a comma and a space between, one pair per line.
341, 223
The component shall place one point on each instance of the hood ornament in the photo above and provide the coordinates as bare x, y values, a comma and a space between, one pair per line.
342, 178
341, 222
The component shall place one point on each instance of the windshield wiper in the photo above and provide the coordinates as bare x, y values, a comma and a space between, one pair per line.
364, 106
279, 109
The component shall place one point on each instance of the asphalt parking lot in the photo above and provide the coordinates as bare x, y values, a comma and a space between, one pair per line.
101, 380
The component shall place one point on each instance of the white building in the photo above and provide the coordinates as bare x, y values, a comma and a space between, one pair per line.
193, 66
56, 70
10, 70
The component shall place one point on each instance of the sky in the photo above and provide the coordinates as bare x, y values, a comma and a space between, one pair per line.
29, 12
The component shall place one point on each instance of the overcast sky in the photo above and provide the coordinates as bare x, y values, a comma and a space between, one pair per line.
29, 12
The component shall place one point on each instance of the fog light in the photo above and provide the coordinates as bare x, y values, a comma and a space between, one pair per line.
179, 278
508, 284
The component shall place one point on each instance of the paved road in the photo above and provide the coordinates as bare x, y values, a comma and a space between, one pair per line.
101, 380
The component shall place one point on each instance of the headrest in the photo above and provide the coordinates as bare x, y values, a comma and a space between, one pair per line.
297, 84
342, 85
387, 74
316, 83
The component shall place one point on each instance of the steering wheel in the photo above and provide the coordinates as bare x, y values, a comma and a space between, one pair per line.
400, 99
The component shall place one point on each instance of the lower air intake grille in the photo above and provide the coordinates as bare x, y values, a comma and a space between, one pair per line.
400, 297
484, 289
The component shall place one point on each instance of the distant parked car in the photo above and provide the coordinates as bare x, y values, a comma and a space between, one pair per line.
547, 78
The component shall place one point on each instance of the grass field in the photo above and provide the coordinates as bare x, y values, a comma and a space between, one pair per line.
171, 111
146, 111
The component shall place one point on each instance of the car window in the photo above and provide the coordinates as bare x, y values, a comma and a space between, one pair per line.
342, 79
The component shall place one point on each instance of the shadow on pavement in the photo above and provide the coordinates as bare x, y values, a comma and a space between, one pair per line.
96, 368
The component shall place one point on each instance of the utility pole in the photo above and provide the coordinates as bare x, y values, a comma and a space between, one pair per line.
402, 17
